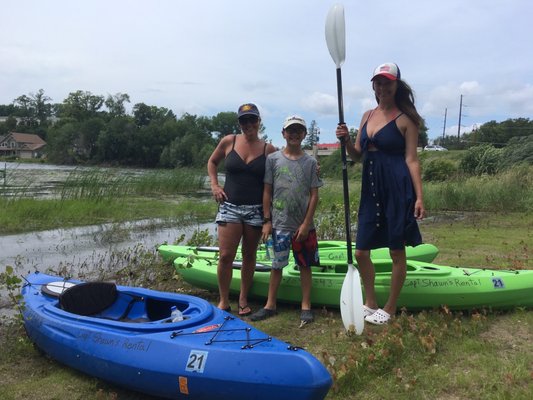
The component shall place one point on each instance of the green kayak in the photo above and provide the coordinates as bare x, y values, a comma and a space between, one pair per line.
426, 286
329, 250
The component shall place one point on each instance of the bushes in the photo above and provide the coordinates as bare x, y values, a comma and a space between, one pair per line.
439, 170
519, 150
484, 159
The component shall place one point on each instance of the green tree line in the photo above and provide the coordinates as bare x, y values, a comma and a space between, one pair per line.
93, 129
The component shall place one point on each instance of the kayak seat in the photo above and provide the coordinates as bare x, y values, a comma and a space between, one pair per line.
88, 298
159, 309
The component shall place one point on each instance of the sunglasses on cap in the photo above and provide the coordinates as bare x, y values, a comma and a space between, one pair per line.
248, 119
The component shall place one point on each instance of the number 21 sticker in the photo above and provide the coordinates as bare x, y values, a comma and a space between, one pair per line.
498, 283
196, 361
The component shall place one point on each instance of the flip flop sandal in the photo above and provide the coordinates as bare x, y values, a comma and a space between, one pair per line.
380, 317
244, 311
367, 311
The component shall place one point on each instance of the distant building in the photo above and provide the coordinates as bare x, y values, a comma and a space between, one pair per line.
325, 149
22, 145
4, 118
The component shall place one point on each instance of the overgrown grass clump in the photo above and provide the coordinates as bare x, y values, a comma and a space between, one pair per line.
511, 190
169, 182
97, 185
104, 184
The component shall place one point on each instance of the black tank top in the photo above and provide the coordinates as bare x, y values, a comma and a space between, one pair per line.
244, 182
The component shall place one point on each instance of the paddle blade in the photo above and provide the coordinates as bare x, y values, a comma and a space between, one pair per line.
335, 34
351, 302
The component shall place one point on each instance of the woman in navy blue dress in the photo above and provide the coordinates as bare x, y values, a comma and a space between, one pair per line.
391, 190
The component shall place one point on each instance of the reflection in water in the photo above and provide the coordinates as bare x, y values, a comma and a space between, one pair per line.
46, 249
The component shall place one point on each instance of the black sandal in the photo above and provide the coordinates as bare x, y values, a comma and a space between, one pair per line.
262, 314
244, 311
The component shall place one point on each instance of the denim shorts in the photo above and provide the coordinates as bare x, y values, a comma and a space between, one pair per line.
245, 214
305, 253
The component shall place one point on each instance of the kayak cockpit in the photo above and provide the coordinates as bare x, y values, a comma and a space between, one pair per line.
104, 303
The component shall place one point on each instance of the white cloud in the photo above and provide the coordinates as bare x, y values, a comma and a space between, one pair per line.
208, 56
321, 103
471, 87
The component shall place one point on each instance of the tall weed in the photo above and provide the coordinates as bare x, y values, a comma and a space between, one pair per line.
169, 181
511, 190
97, 185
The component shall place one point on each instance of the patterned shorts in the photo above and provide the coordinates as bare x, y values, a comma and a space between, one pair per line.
245, 214
305, 253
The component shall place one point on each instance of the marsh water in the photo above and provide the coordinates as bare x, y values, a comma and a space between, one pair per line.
86, 246
42, 180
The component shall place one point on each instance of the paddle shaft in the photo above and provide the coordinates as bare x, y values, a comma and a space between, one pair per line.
344, 172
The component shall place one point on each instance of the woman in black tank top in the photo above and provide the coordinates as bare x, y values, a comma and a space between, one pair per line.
240, 202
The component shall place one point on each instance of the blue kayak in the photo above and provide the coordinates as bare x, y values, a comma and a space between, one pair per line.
125, 335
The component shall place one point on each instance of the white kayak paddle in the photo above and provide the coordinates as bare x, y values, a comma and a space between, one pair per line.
351, 301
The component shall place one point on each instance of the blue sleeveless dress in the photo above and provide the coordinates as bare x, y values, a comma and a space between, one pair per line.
386, 211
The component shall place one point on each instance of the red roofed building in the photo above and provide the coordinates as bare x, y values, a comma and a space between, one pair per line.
329, 146
22, 145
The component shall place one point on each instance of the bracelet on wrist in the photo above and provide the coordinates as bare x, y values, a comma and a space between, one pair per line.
266, 220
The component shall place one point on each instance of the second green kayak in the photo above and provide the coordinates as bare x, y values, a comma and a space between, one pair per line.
329, 250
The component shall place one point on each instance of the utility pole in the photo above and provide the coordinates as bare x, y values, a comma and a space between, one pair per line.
444, 128
459, 127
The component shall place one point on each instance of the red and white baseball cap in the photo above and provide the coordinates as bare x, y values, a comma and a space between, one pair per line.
388, 70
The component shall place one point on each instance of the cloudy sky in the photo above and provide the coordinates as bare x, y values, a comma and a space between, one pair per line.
207, 56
